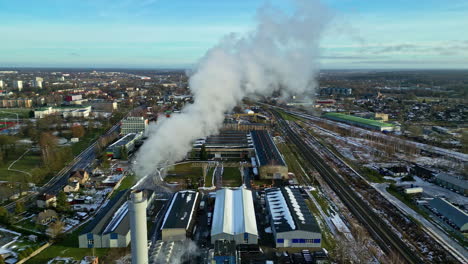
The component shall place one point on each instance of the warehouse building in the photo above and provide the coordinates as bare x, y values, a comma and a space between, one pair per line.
457, 218
457, 183
110, 228
292, 223
227, 145
134, 124
271, 164
362, 122
179, 219
234, 217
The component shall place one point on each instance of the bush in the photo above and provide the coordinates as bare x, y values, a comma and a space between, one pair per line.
407, 178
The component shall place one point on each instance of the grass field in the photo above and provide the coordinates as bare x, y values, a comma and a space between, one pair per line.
126, 183
232, 177
291, 160
288, 117
184, 172
68, 247
209, 178
10, 113
86, 140
27, 163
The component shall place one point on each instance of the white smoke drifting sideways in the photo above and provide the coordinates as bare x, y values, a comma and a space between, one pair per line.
280, 54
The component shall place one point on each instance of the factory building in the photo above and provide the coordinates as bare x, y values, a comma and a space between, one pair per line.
133, 124
457, 183
362, 122
234, 217
110, 228
271, 164
179, 220
126, 143
456, 217
227, 145
292, 223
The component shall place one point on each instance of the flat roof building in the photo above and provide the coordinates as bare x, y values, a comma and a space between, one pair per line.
292, 223
127, 142
457, 183
270, 162
234, 217
110, 228
361, 122
134, 124
228, 144
455, 215
179, 219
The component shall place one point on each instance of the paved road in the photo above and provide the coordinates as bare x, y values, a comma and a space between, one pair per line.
218, 176
247, 177
445, 241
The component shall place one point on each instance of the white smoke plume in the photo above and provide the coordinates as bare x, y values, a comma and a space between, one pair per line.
281, 53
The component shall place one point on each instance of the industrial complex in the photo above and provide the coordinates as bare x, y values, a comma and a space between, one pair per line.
110, 228
227, 145
179, 218
234, 217
292, 223
270, 162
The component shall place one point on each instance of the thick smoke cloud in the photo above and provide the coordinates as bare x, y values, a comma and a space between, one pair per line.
280, 54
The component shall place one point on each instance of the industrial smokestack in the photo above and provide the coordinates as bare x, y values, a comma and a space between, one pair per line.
138, 228
281, 53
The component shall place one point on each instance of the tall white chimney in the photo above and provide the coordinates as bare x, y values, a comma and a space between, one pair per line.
138, 229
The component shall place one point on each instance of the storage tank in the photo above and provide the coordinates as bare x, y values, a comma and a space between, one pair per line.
137, 210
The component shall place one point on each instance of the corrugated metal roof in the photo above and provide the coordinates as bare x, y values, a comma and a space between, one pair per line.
266, 151
234, 212
289, 210
105, 215
456, 216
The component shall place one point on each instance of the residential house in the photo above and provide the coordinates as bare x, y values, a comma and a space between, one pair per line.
72, 187
80, 176
46, 200
46, 217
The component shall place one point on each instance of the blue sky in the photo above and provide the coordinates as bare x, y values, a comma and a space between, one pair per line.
160, 33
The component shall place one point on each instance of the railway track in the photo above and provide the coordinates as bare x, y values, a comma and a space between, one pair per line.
379, 230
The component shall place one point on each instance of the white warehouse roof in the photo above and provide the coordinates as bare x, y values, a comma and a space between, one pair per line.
234, 212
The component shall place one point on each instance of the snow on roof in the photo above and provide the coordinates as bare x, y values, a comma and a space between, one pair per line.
234, 212
181, 210
279, 208
117, 218
289, 210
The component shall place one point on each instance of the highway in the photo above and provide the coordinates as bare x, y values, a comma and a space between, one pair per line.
379, 230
